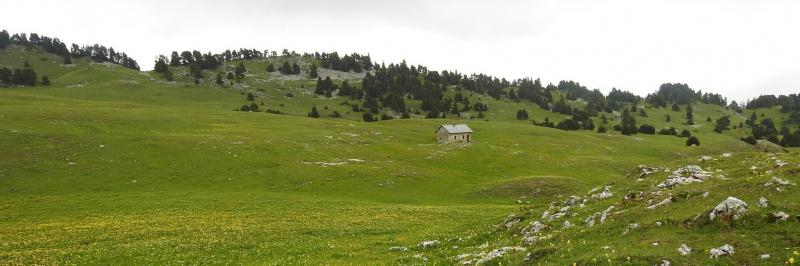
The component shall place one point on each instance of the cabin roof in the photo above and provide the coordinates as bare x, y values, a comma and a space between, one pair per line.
456, 128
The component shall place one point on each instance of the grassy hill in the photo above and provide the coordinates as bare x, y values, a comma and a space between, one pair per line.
113, 166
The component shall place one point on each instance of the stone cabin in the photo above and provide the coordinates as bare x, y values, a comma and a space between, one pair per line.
454, 133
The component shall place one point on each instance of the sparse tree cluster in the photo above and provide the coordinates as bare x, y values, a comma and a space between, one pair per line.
352, 62
101, 54
24, 76
288, 69
96, 52
325, 87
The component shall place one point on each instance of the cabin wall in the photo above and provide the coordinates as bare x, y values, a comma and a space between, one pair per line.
444, 137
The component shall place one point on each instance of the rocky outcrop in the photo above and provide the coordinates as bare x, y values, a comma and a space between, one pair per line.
725, 250
731, 206
685, 175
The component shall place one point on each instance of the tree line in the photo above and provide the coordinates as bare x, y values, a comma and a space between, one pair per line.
352, 62
96, 52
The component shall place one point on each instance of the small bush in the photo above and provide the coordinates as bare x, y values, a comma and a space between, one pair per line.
692, 141
647, 129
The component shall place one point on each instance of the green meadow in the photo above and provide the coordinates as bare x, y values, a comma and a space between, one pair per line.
113, 166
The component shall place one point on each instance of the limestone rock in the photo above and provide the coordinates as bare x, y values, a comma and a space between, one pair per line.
428, 244
725, 250
730, 206
685, 250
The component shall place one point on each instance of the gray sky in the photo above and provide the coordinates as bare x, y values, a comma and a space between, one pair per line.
738, 48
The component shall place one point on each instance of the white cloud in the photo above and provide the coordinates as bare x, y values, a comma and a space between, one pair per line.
738, 48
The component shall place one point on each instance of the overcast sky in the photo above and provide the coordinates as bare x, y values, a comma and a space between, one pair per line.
738, 48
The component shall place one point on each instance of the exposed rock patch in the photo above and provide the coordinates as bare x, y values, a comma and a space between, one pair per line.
685, 175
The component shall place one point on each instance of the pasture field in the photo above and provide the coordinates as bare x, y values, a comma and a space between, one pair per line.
113, 166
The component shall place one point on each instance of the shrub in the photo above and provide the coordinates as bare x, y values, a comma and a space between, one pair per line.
692, 141
522, 114
568, 124
647, 129
668, 131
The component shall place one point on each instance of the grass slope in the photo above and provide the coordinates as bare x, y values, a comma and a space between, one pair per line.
110, 165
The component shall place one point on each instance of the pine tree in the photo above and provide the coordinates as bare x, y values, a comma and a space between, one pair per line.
24, 77
313, 71
67, 59
5, 76
320, 89
522, 114
270, 68
689, 115
220, 82
628, 123
197, 74
45, 81
285, 69
722, 124
313, 113
5, 39
240, 70
161, 64
175, 59
251, 98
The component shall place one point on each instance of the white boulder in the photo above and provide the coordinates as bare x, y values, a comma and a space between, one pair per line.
685, 250
428, 244
763, 202
730, 206
725, 250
